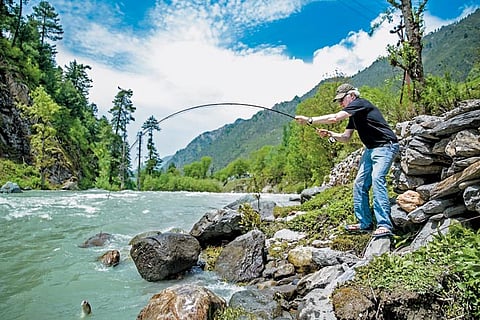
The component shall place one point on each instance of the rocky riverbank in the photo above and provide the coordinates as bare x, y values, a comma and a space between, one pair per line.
289, 276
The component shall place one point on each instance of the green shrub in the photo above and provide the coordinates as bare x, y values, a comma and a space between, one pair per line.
24, 175
250, 218
231, 313
447, 268
325, 213
210, 255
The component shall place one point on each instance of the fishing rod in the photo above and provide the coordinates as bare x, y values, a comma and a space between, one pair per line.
230, 104
225, 104
331, 140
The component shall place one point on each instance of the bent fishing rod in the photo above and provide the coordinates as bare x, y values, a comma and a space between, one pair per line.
331, 140
240, 104
224, 104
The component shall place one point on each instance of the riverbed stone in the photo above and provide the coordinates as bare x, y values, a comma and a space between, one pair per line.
243, 259
97, 240
165, 255
217, 227
111, 258
10, 187
260, 303
182, 302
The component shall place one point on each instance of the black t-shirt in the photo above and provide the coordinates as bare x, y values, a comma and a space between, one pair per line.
372, 128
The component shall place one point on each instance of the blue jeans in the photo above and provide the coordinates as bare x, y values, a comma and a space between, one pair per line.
372, 171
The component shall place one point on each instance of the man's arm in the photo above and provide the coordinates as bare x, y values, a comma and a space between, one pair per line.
325, 119
340, 137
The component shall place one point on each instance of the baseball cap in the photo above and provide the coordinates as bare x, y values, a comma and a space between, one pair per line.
342, 91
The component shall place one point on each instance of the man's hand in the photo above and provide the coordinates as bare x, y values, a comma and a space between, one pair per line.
323, 133
302, 119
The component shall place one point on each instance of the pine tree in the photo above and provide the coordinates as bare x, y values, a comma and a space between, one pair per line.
153, 159
122, 112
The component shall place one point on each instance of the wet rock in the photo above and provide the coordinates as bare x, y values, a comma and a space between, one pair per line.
110, 258
182, 302
97, 240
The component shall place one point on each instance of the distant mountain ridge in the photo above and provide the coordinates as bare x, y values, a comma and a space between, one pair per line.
452, 48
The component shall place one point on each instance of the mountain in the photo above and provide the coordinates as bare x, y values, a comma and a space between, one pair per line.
451, 49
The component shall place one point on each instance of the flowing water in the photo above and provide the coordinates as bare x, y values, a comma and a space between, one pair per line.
44, 274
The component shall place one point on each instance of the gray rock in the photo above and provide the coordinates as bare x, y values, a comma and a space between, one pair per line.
471, 196
377, 247
324, 257
462, 121
10, 187
319, 279
217, 226
316, 305
429, 230
242, 259
165, 255
261, 303
97, 240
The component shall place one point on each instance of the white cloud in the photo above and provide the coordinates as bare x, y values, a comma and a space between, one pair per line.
182, 63
433, 23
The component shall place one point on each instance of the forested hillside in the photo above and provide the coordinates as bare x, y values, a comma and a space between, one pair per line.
52, 137
451, 50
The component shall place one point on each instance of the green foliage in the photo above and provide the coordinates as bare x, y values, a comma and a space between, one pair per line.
268, 166
235, 169
448, 267
24, 175
210, 256
198, 169
122, 113
15, 61
387, 99
231, 313
250, 218
153, 162
440, 94
102, 150
351, 242
325, 212
174, 182
44, 142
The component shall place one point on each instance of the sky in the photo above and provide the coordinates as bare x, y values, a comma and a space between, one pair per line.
175, 54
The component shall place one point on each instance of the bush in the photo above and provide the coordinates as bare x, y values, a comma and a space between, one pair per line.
23, 175
447, 268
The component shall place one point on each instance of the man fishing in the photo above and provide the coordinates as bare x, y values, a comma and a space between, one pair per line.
381, 147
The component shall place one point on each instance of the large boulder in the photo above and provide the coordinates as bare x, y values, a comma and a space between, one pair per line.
182, 302
165, 255
242, 259
217, 227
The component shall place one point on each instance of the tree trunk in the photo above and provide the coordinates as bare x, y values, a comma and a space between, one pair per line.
413, 28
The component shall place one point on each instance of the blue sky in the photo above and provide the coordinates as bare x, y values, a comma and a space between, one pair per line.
179, 53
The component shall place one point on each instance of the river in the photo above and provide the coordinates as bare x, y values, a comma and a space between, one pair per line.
44, 274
